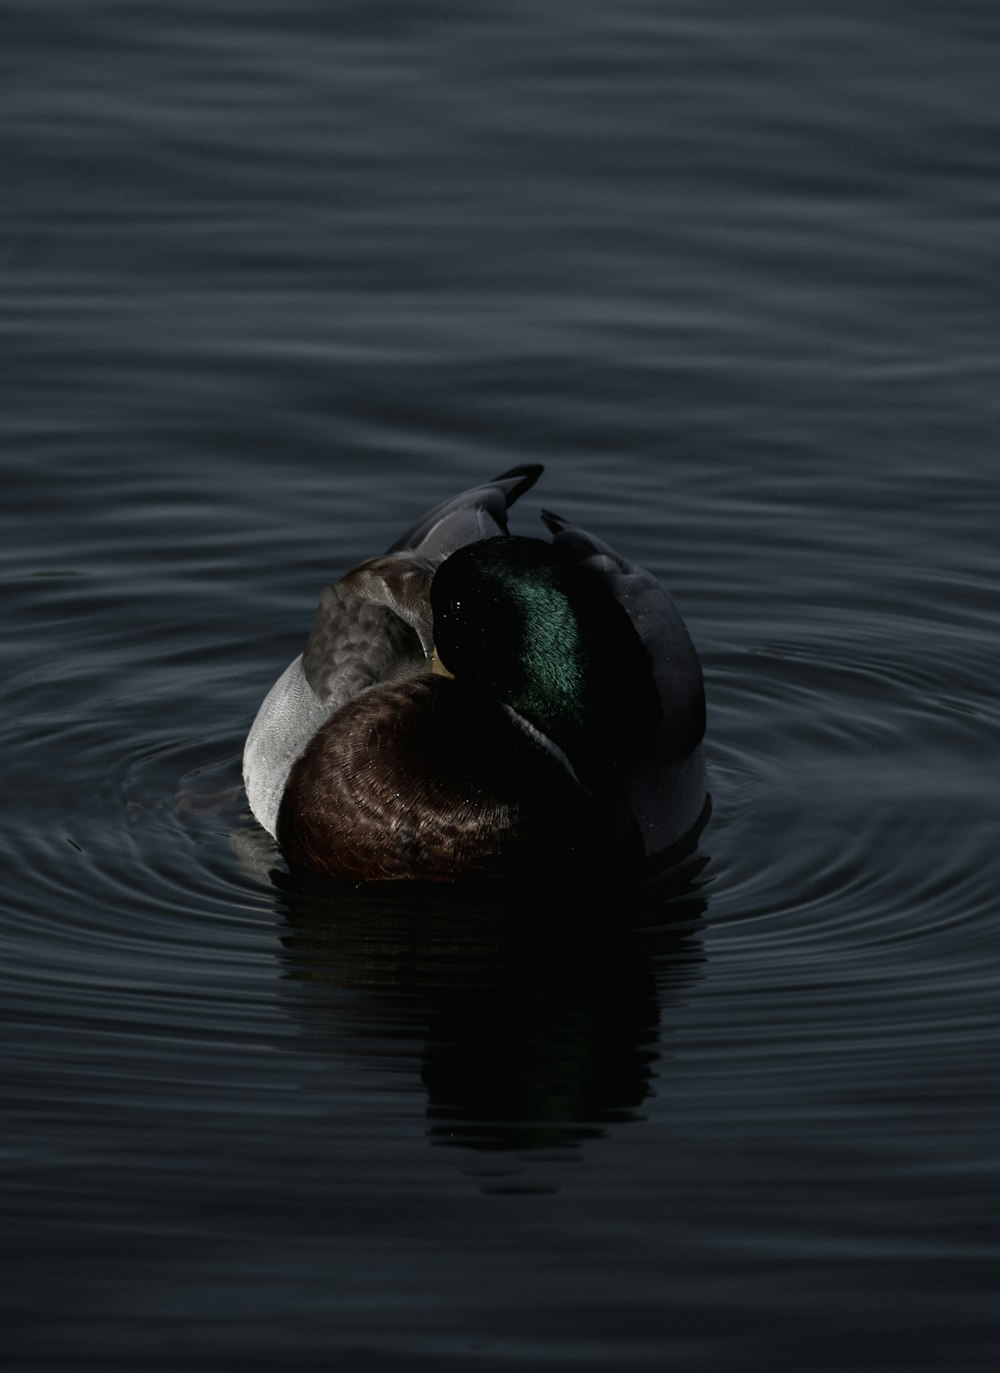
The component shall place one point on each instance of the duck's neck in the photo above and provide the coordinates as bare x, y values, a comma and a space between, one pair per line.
546, 678
581, 676
548, 641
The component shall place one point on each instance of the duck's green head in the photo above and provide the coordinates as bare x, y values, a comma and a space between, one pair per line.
519, 622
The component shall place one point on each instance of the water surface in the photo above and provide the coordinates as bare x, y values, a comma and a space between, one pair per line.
271, 282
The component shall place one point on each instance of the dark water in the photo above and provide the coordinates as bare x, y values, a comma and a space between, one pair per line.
274, 278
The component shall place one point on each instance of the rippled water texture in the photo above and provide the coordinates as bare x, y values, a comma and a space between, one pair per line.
272, 280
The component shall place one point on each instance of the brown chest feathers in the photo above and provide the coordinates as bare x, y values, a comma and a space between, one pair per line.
424, 779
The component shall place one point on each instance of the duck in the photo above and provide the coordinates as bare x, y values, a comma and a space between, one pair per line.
475, 704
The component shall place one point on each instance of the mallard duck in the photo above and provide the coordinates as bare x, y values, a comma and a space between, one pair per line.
478, 704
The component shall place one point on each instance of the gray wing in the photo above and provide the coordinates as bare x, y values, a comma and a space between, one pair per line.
374, 625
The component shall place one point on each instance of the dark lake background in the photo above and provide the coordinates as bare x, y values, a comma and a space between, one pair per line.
273, 278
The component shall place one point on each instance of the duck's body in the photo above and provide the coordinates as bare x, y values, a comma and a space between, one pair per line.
531, 706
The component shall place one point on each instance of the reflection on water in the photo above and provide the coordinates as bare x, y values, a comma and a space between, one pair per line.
272, 279
534, 1019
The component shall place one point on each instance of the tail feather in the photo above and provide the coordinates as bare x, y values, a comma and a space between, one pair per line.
478, 513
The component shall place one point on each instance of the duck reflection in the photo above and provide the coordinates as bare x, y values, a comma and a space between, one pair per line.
535, 1016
